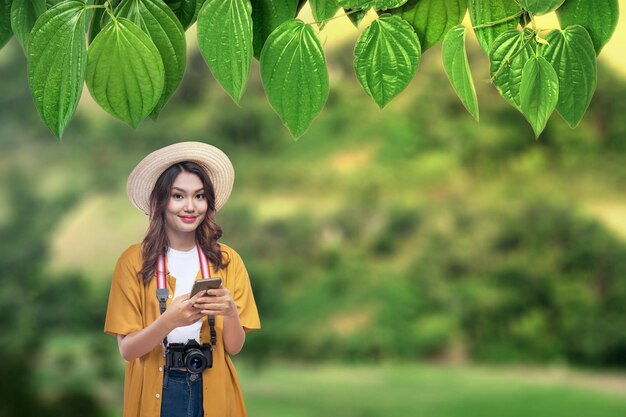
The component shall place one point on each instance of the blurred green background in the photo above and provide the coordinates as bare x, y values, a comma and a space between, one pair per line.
405, 262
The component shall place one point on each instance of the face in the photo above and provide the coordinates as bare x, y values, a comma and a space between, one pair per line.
187, 205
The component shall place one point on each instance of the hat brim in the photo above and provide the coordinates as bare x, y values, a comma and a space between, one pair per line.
215, 162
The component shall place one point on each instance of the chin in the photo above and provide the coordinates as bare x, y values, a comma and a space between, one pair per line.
188, 228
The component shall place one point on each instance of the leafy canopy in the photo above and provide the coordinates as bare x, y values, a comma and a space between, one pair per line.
131, 53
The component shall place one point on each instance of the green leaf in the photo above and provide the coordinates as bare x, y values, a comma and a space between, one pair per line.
323, 10
457, 68
485, 13
386, 57
99, 18
524, 19
159, 22
366, 4
24, 13
432, 19
509, 54
301, 4
599, 17
267, 15
185, 11
125, 72
199, 4
571, 54
57, 55
225, 40
5, 22
539, 92
355, 16
539, 7
294, 74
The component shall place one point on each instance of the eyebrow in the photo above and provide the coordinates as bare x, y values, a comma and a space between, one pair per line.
184, 191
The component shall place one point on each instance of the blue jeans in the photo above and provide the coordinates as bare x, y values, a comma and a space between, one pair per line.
182, 395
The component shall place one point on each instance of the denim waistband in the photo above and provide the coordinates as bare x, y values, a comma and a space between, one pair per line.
181, 376
182, 394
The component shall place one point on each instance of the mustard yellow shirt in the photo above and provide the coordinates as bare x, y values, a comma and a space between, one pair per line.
133, 306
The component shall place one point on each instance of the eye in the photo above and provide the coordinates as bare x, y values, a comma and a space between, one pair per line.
200, 196
176, 196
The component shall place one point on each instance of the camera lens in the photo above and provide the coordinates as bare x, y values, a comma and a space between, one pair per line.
195, 361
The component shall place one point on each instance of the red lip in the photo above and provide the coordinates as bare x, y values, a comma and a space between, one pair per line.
188, 219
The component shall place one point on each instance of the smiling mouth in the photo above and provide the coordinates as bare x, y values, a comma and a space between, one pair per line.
188, 219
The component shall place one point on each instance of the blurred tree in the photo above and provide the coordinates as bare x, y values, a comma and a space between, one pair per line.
31, 301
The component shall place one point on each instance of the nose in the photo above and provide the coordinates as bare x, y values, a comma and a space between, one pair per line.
189, 205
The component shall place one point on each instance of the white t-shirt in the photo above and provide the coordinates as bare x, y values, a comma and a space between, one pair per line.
184, 267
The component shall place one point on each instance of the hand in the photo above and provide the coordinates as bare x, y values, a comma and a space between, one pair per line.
181, 311
217, 302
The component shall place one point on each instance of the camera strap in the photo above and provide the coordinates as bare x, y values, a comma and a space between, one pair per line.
163, 293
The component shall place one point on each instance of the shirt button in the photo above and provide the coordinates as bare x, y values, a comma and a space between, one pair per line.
169, 296
157, 395
160, 370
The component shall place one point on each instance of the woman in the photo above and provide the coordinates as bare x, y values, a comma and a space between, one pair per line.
181, 187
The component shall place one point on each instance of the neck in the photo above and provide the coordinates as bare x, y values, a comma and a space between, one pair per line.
182, 241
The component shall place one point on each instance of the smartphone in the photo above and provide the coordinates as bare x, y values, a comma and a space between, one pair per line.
205, 284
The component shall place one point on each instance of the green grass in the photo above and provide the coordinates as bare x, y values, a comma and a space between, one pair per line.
420, 390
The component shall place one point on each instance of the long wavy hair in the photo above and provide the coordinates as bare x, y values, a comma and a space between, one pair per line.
155, 242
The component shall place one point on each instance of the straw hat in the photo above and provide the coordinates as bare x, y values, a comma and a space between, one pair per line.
215, 162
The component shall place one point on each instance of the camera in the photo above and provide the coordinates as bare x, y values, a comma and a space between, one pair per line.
190, 356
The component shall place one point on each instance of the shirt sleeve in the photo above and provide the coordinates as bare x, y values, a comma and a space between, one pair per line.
124, 308
243, 296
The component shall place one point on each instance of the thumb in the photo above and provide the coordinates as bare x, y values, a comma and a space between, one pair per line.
195, 297
181, 297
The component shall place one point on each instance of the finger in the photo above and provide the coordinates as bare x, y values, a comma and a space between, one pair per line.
195, 298
198, 316
215, 305
213, 299
209, 306
195, 315
181, 297
205, 300
207, 303
212, 313
218, 311
226, 300
217, 292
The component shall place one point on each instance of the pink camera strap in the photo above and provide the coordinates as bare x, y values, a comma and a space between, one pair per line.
163, 294
204, 268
